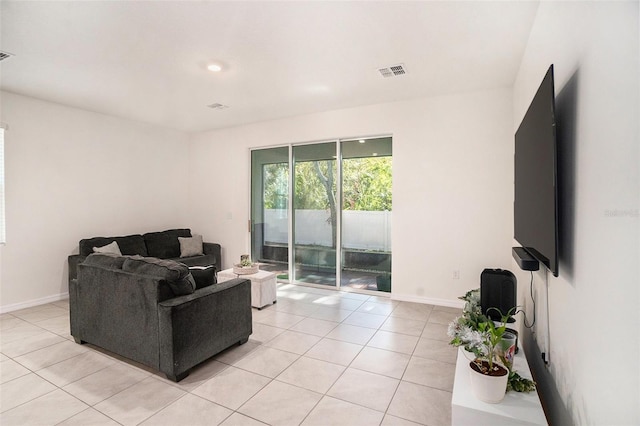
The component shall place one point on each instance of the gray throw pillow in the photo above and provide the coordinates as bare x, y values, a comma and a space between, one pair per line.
176, 274
191, 246
113, 247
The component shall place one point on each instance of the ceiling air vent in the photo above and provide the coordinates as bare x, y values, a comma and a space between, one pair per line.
5, 55
218, 106
393, 71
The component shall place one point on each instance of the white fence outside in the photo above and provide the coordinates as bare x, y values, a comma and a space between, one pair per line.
366, 230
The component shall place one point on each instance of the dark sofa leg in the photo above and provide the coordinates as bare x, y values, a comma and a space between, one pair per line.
243, 341
177, 377
79, 341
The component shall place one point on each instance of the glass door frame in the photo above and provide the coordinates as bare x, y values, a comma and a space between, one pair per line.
339, 209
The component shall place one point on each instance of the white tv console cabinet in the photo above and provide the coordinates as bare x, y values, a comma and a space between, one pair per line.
517, 408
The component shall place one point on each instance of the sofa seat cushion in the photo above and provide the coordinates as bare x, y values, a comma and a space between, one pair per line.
204, 260
204, 276
129, 245
176, 274
165, 244
105, 260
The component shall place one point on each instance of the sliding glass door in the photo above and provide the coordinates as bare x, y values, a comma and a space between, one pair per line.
327, 207
366, 214
270, 209
315, 213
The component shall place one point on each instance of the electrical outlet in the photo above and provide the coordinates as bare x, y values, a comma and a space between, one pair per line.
456, 274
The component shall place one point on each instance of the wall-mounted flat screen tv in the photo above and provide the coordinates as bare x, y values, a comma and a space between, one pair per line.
536, 190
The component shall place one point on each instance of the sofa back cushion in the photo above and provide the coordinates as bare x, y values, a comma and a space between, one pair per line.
165, 244
176, 274
129, 245
105, 260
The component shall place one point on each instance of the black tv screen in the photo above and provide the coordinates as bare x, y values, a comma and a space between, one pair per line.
536, 192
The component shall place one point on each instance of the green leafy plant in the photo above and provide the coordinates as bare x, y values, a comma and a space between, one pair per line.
246, 262
479, 335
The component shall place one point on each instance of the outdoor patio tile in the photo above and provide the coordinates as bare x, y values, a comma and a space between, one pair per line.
352, 334
267, 361
281, 404
335, 351
363, 388
335, 412
380, 361
421, 404
232, 387
393, 342
311, 374
189, 410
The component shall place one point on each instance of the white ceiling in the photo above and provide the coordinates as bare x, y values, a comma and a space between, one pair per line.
146, 60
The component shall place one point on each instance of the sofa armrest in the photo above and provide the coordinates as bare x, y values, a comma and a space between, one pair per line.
214, 250
74, 260
196, 326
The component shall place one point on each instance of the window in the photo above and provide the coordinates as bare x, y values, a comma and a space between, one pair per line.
2, 227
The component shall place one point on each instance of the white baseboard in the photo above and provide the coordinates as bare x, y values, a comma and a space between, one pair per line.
428, 300
34, 302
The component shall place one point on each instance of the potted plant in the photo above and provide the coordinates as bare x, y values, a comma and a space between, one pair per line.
491, 368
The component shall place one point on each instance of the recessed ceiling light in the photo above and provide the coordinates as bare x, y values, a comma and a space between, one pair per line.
375, 154
362, 141
214, 67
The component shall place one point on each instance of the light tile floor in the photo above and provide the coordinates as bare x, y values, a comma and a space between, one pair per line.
317, 357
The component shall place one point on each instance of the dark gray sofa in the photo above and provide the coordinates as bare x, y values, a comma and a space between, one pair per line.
119, 304
162, 245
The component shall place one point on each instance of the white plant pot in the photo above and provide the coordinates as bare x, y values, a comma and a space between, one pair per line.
486, 388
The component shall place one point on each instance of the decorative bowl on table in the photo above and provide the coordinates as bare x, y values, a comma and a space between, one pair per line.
245, 270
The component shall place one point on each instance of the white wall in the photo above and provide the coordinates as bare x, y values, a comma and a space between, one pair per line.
452, 184
73, 174
593, 376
